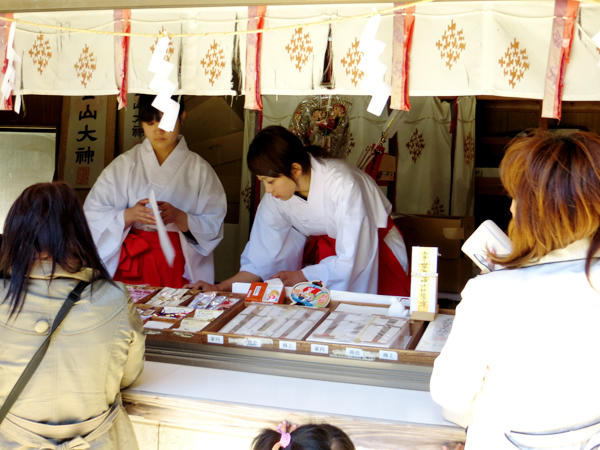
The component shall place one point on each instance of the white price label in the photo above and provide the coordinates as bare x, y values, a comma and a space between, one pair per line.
319, 348
389, 355
354, 352
251, 342
287, 345
215, 339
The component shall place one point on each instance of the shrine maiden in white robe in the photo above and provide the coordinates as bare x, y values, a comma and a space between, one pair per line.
184, 179
343, 203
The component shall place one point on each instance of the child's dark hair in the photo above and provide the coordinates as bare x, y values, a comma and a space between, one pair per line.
148, 113
307, 437
274, 149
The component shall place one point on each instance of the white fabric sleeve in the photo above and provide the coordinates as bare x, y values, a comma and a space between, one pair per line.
274, 245
460, 369
205, 220
354, 267
104, 209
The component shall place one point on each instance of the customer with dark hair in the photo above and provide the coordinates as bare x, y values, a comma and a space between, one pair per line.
521, 363
307, 437
190, 198
359, 248
72, 399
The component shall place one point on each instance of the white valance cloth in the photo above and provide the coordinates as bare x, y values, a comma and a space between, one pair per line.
207, 61
458, 48
66, 63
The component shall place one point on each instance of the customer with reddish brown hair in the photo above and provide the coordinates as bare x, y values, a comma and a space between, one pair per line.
521, 364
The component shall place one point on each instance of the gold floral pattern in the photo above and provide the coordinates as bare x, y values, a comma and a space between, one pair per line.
469, 149
351, 61
213, 62
350, 144
247, 196
299, 48
415, 145
85, 65
170, 48
40, 52
514, 62
437, 208
451, 44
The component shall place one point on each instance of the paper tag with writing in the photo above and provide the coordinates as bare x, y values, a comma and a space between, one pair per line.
354, 352
388, 354
287, 345
215, 338
319, 348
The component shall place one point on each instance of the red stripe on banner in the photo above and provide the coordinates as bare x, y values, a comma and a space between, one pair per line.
561, 40
123, 25
256, 20
404, 21
7, 104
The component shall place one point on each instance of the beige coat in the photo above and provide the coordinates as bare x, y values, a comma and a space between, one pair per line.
97, 351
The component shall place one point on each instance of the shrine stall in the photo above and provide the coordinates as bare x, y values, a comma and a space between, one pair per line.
393, 88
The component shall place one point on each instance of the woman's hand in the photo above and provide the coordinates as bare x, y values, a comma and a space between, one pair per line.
290, 277
139, 213
171, 214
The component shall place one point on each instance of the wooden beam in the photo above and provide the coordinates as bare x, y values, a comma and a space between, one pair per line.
78, 5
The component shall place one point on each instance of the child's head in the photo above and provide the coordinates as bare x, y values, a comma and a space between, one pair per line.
306, 437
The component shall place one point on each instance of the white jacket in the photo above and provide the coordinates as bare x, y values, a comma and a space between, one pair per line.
343, 203
524, 350
184, 179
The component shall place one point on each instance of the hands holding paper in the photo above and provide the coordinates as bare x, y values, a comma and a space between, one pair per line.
171, 214
139, 213
168, 213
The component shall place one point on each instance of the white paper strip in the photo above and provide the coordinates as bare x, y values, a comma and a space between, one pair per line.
163, 237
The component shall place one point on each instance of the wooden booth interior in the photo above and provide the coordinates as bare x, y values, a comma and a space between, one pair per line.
214, 128
439, 196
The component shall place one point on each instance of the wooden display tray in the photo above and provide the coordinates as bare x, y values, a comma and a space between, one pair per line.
212, 336
174, 335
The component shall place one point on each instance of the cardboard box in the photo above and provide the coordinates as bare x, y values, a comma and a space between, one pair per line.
448, 234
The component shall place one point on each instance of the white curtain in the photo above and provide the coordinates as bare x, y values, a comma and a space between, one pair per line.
464, 159
207, 61
582, 77
62, 63
423, 175
153, 22
292, 58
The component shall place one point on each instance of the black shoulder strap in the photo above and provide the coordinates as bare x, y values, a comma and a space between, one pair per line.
39, 354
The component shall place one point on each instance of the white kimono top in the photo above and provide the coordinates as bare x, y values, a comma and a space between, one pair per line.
184, 179
343, 203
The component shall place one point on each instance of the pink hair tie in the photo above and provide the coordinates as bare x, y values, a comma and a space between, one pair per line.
286, 437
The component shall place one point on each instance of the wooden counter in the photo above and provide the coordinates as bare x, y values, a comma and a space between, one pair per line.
188, 407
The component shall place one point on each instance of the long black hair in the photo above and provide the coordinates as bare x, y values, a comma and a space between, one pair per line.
307, 437
46, 221
274, 149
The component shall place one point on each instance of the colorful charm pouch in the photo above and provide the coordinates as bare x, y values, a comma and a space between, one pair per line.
310, 293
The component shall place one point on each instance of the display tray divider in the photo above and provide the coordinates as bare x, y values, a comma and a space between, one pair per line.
212, 336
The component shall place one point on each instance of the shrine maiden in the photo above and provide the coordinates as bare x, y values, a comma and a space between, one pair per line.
190, 198
357, 249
